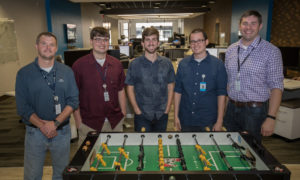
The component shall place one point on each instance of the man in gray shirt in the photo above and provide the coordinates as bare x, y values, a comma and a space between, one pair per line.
150, 79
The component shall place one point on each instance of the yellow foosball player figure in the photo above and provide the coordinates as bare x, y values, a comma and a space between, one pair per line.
100, 158
104, 146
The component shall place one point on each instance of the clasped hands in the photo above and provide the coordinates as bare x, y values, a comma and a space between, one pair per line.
48, 129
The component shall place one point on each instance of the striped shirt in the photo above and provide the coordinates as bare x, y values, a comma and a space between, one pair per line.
261, 70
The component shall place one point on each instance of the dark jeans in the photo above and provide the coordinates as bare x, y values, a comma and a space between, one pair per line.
195, 128
246, 118
156, 125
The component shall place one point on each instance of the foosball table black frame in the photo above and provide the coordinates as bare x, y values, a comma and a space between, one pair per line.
277, 171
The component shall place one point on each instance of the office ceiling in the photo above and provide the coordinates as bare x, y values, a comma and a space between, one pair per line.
137, 9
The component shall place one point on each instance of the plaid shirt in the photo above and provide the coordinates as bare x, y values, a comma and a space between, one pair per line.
260, 72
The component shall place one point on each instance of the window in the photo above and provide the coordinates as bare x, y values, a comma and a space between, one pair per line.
165, 29
125, 31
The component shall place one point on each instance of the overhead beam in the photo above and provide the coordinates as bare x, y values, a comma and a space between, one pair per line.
153, 11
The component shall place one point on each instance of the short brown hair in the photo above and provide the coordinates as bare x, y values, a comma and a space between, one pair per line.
49, 34
198, 30
99, 31
150, 31
251, 13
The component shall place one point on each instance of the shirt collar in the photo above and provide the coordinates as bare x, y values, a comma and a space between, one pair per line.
254, 44
145, 60
39, 68
92, 59
192, 58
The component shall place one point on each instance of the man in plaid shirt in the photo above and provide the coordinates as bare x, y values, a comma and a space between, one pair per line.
255, 80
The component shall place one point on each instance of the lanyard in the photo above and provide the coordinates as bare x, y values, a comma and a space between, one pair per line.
51, 86
103, 75
238, 55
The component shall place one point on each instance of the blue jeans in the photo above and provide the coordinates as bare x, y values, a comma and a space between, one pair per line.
156, 125
36, 147
246, 118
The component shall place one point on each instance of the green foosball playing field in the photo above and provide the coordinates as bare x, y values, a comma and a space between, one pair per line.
171, 159
173, 155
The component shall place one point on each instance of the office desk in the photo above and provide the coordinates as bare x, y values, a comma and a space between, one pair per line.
287, 121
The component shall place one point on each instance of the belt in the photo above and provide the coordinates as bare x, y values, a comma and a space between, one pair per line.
249, 104
58, 128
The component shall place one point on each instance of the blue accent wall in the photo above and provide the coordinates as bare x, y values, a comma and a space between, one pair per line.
64, 12
265, 8
48, 15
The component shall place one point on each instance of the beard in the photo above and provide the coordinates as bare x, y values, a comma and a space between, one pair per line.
150, 51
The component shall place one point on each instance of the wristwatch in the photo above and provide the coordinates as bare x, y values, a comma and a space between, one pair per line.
56, 123
272, 117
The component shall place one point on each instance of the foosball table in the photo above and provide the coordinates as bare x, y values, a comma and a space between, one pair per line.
173, 156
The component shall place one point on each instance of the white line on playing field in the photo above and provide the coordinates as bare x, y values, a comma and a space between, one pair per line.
112, 166
125, 165
168, 148
212, 158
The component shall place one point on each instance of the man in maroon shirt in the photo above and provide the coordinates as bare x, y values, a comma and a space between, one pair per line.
100, 80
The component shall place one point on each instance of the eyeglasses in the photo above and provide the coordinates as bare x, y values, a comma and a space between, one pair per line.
199, 41
98, 40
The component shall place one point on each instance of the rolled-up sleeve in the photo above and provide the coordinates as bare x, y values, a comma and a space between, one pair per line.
72, 92
275, 70
24, 108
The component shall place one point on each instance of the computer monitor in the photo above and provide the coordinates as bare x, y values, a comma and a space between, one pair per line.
71, 56
125, 50
179, 38
114, 52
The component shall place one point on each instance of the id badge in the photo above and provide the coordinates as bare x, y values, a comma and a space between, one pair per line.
106, 96
237, 85
57, 109
203, 86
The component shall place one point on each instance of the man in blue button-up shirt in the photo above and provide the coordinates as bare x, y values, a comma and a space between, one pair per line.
200, 88
46, 95
150, 79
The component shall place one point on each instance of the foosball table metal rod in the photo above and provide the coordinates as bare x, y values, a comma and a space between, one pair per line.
222, 154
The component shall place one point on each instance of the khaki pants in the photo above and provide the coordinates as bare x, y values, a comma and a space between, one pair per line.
83, 130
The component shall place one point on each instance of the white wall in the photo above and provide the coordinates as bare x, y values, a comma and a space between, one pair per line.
30, 19
90, 18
